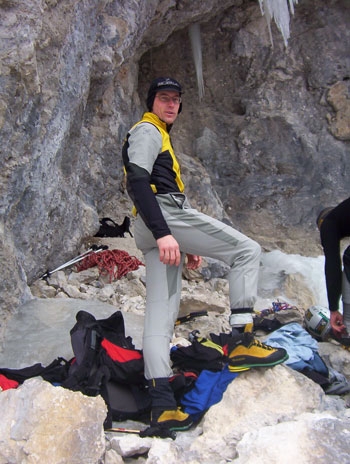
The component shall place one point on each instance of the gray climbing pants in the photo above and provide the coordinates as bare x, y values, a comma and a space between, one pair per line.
197, 234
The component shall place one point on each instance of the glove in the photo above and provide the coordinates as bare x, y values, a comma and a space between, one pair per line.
161, 432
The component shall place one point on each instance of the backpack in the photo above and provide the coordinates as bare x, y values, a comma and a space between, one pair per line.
108, 228
106, 362
127, 402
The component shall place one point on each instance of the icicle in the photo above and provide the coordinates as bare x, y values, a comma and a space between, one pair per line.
278, 10
268, 18
291, 5
195, 37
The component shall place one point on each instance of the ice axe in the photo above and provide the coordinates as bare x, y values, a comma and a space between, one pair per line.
161, 432
122, 430
92, 250
190, 316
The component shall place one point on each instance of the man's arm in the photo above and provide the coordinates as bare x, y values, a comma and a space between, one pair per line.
335, 227
330, 240
139, 154
140, 191
333, 267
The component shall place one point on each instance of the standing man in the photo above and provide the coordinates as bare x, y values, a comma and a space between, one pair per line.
168, 231
334, 225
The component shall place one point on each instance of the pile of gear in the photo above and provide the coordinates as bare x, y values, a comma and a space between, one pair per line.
301, 343
107, 363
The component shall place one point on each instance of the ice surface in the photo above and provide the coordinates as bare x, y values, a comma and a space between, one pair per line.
275, 265
40, 331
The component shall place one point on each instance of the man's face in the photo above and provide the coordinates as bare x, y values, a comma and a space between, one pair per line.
166, 105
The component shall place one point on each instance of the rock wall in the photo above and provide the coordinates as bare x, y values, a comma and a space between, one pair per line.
270, 138
268, 130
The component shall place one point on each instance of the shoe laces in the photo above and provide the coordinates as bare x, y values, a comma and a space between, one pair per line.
259, 344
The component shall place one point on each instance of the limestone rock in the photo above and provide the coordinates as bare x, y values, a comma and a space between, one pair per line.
42, 423
296, 289
319, 438
130, 445
250, 402
112, 457
339, 97
336, 356
164, 451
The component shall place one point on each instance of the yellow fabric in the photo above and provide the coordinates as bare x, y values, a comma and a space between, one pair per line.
237, 368
211, 344
248, 327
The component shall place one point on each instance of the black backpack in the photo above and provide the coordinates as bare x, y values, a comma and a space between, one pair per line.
109, 228
107, 363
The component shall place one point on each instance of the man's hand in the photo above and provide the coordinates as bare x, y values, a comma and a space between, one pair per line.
193, 261
169, 251
336, 321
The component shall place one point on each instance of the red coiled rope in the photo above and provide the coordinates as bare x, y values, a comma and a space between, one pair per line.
115, 263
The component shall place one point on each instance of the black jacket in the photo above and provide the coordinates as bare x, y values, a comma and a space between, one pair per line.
334, 228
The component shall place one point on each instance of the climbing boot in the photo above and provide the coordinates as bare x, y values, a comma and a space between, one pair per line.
247, 352
171, 419
241, 320
165, 413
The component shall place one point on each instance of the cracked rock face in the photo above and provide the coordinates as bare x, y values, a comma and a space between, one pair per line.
338, 98
269, 139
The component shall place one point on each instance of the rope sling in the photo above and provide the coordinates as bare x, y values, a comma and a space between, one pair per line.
115, 263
